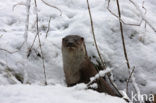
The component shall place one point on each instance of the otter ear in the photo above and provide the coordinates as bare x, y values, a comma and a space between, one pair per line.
82, 38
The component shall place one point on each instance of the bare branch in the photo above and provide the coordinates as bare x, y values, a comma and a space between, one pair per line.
20, 3
144, 10
98, 75
143, 16
10, 52
48, 27
129, 79
92, 28
27, 19
53, 7
27, 5
122, 36
144, 7
103, 64
125, 52
38, 35
132, 24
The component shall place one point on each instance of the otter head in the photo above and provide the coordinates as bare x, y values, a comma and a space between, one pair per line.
73, 47
72, 42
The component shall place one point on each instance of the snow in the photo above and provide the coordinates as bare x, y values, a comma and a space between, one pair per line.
140, 43
52, 94
101, 73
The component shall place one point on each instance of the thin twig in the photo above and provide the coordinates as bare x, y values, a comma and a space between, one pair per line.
38, 35
125, 52
103, 64
122, 36
30, 49
132, 24
145, 11
129, 79
144, 7
20, 3
111, 82
27, 20
92, 28
52, 7
143, 16
48, 27
10, 52
27, 5
97, 76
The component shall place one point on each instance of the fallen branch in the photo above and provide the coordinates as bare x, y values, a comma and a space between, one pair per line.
101, 73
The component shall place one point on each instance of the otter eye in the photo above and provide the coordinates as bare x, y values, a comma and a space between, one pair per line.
64, 40
82, 38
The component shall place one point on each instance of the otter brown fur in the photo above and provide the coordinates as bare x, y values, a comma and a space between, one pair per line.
77, 66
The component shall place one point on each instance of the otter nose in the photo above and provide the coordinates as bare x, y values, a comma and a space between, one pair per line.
70, 44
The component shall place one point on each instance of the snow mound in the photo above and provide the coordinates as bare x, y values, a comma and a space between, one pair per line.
52, 94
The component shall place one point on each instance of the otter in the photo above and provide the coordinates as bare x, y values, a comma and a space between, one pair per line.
77, 66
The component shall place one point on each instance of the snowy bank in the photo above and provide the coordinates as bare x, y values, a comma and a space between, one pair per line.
140, 43
52, 94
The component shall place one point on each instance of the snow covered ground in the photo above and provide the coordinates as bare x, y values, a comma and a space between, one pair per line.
52, 94
140, 43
